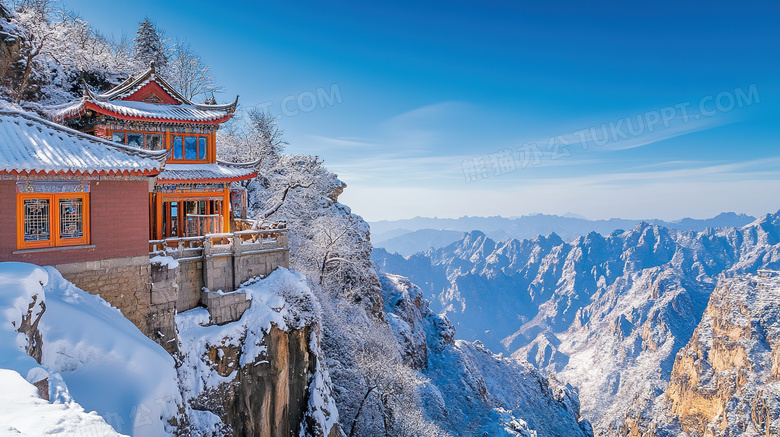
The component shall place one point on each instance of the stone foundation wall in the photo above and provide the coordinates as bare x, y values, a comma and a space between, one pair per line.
225, 307
248, 265
150, 295
218, 273
190, 283
164, 300
123, 282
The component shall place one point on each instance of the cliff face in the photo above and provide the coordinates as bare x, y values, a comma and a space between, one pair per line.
725, 381
260, 375
470, 391
266, 397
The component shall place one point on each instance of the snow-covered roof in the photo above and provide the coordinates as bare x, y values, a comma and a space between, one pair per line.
130, 108
219, 171
122, 101
29, 144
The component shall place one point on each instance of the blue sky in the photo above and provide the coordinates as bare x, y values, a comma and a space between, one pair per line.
501, 108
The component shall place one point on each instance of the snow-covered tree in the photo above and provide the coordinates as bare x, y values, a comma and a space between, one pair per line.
392, 386
55, 50
251, 136
188, 73
150, 45
37, 33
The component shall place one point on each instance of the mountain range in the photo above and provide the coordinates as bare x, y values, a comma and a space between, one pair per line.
605, 313
419, 234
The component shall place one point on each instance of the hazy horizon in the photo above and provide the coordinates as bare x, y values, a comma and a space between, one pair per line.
573, 215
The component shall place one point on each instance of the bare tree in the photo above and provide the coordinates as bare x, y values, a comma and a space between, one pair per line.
121, 50
393, 385
188, 73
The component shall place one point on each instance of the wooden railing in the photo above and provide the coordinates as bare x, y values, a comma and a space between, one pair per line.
203, 224
210, 245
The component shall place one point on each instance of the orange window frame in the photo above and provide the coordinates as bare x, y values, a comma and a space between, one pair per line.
110, 134
54, 220
209, 147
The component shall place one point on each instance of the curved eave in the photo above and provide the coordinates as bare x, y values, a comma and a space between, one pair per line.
207, 181
101, 110
79, 173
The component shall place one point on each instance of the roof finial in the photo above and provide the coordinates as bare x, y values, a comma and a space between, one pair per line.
87, 94
233, 106
151, 66
210, 100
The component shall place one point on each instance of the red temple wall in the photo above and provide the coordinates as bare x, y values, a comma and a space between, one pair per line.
119, 224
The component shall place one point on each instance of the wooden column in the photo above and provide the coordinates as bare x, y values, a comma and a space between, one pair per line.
226, 209
159, 217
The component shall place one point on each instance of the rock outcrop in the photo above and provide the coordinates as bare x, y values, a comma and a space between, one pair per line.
260, 375
725, 380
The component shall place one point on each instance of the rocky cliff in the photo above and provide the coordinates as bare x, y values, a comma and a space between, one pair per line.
261, 375
725, 380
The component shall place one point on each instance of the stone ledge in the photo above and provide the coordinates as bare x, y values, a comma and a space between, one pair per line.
104, 264
52, 249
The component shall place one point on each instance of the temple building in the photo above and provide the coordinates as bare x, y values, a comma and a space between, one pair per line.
192, 195
116, 186
77, 198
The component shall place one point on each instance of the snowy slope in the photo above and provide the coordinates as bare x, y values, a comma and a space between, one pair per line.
24, 413
608, 314
90, 353
470, 391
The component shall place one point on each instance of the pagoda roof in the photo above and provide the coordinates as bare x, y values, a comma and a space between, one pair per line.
147, 97
31, 145
218, 172
128, 109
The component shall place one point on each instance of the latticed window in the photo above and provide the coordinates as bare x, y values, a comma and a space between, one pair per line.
36, 220
71, 218
47, 220
149, 141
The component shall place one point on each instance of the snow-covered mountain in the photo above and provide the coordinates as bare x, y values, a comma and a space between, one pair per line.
605, 313
419, 234
470, 391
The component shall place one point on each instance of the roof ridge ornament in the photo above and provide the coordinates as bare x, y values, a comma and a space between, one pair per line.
87, 94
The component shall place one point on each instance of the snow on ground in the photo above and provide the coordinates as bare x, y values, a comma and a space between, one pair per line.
91, 355
24, 413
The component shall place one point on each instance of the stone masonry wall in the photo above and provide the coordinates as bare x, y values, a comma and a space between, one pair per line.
218, 273
225, 307
123, 282
164, 298
248, 265
190, 283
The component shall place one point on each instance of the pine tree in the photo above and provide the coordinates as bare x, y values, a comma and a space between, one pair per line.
150, 46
